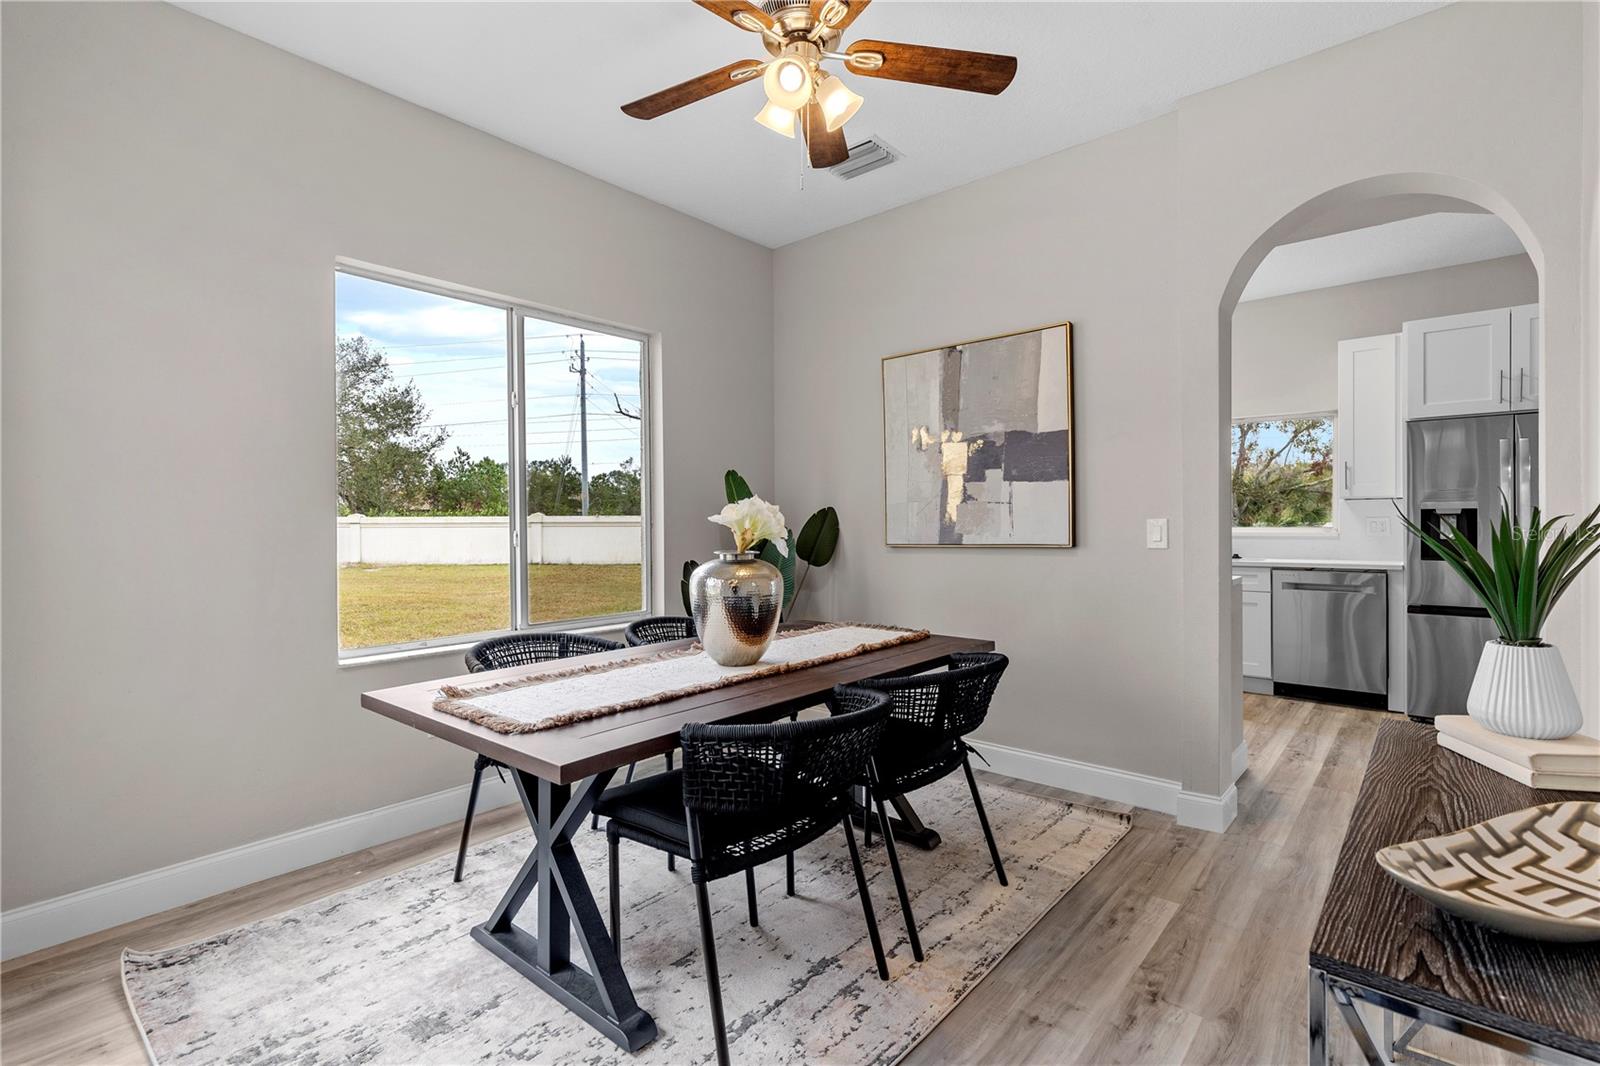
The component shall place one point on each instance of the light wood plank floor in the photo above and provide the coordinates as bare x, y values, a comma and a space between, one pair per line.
1181, 946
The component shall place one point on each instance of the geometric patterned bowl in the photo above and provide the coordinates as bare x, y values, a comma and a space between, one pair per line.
1534, 873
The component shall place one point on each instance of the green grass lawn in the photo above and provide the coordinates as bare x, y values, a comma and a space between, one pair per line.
381, 605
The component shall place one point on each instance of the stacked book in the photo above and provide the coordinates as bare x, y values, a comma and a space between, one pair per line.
1572, 763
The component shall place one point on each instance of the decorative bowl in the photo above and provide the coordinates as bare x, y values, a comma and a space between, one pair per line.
1533, 873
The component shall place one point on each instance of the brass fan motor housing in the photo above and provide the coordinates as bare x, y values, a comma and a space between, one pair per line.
793, 22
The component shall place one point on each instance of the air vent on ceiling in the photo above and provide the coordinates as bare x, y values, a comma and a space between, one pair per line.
868, 155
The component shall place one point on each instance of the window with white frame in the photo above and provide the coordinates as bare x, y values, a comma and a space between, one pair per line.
1283, 472
491, 467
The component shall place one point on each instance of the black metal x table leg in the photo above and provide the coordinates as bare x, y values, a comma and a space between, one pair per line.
908, 827
601, 995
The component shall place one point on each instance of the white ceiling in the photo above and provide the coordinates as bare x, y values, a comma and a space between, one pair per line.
551, 77
1426, 242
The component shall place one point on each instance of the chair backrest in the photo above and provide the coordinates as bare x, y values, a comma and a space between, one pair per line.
771, 768
950, 703
658, 630
524, 649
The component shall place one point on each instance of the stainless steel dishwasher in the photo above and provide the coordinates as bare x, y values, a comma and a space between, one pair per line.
1330, 635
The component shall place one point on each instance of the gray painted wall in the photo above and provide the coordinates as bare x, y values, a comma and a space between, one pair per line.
1092, 631
1143, 239
1285, 349
175, 196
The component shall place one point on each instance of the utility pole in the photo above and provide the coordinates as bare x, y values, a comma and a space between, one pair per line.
583, 421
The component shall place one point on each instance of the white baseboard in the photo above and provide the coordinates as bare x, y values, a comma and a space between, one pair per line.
54, 921
1213, 813
1241, 760
1123, 786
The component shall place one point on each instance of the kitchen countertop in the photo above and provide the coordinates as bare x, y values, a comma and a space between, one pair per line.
1322, 564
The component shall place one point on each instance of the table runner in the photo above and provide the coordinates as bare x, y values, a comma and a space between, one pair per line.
561, 697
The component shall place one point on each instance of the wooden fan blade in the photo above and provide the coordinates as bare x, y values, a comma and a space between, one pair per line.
826, 149
658, 104
852, 11
727, 9
948, 68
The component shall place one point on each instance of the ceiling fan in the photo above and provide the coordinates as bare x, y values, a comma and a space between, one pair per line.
800, 35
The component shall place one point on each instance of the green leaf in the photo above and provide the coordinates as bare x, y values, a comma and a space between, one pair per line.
683, 586
736, 487
819, 537
785, 565
1531, 567
1528, 580
1505, 574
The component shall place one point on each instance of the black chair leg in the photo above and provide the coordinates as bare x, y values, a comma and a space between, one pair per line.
672, 862
866, 901
788, 873
614, 883
899, 883
983, 819
750, 893
713, 982
478, 766
866, 820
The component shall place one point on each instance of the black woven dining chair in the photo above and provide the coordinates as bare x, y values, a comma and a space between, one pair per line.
658, 629
931, 715
747, 794
518, 649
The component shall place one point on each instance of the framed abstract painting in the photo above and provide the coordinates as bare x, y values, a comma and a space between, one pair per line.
977, 443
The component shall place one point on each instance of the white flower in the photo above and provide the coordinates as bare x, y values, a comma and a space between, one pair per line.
754, 520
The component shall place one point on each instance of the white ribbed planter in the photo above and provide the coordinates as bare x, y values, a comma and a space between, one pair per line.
1524, 692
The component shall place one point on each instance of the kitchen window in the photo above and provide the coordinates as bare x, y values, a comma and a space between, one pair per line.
492, 468
1283, 472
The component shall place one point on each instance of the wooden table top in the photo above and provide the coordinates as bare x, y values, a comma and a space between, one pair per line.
570, 753
1374, 932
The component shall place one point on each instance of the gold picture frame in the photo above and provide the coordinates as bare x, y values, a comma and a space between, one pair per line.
1041, 450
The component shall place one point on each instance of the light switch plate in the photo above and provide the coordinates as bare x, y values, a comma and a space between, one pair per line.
1377, 527
1155, 532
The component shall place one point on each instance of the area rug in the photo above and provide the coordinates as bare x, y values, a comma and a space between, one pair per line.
386, 972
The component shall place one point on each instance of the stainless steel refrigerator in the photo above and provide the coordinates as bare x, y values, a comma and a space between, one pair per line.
1462, 472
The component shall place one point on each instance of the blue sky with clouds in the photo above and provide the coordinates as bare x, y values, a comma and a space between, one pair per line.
455, 353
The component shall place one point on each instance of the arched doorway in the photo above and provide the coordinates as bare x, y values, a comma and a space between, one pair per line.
1367, 206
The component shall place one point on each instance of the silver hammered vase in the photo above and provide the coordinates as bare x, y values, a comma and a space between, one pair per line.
736, 599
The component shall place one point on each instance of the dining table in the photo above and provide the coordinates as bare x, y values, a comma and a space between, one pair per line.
560, 773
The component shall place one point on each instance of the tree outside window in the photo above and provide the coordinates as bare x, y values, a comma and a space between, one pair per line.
1283, 472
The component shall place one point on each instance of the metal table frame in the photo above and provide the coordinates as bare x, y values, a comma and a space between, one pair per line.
565, 905
1397, 1049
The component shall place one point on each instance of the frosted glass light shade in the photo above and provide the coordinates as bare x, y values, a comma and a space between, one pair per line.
838, 103
788, 83
777, 119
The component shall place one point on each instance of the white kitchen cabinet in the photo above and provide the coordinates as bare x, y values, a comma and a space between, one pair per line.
1367, 449
1257, 634
1525, 357
1459, 364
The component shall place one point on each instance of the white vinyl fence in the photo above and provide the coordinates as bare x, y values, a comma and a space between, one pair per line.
565, 539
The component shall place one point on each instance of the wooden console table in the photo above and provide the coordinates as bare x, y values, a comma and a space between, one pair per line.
1380, 944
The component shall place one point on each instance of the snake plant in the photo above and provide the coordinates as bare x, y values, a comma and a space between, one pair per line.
1528, 569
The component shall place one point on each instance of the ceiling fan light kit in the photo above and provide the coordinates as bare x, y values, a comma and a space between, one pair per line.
800, 35
839, 104
777, 119
788, 82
